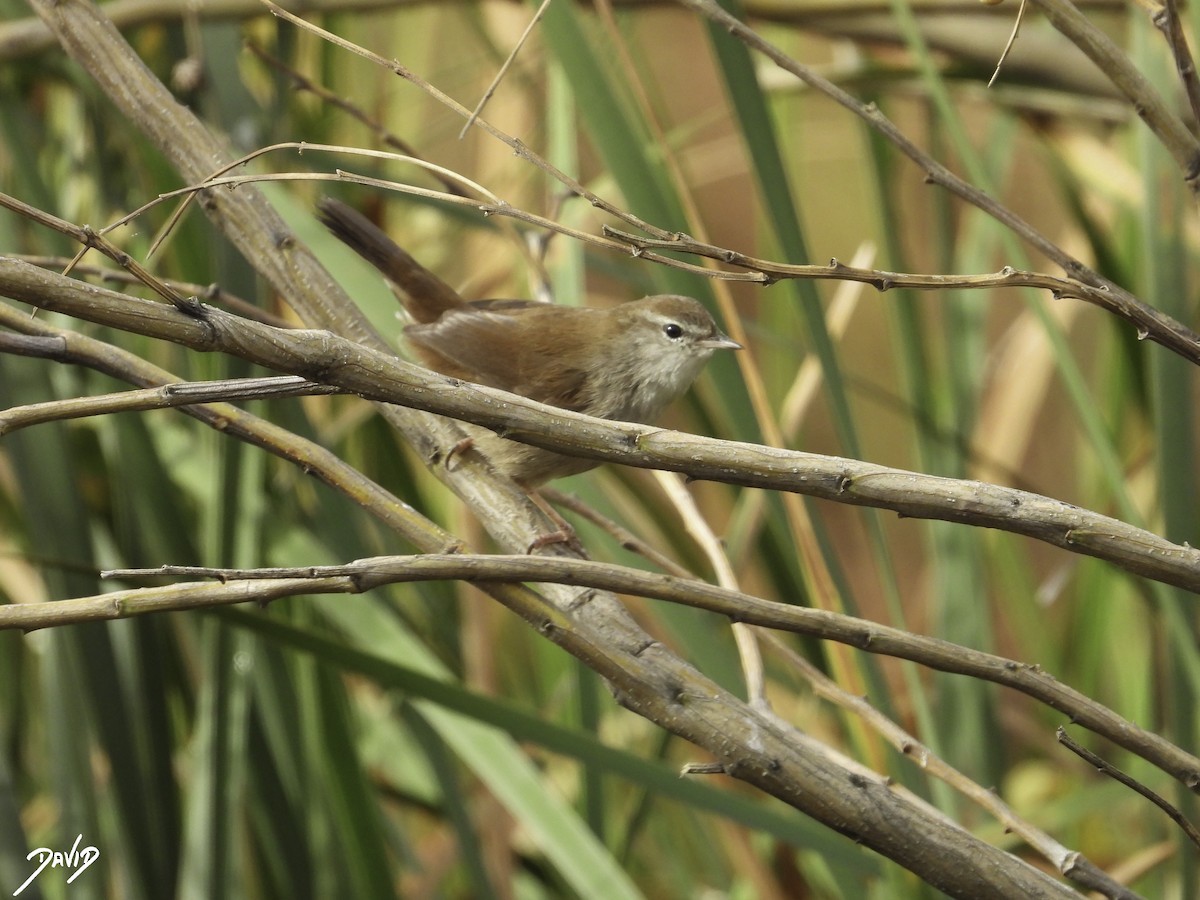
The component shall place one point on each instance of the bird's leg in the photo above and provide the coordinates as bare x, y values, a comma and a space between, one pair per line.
458, 449
565, 534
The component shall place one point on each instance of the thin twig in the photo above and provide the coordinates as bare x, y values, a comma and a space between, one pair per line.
182, 393
1012, 39
697, 526
1193, 834
622, 535
214, 179
1070, 863
572, 184
1166, 20
88, 238
491, 88
1148, 321
328, 97
209, 293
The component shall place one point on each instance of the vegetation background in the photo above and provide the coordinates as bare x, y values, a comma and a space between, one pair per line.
420, 740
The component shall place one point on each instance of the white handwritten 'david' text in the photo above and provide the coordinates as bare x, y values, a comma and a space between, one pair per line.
79, 858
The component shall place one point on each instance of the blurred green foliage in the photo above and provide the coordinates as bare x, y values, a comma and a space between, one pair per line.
418, 741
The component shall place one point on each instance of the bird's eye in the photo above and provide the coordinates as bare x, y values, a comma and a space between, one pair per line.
673, 331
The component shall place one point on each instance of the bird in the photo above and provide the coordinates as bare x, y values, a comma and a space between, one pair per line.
625, 363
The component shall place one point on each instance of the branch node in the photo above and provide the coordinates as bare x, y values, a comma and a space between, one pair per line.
644, 647
581, 600
712, 768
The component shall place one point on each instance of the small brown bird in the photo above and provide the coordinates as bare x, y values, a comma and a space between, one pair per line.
626, 363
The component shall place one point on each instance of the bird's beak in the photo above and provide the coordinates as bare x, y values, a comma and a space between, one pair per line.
719, 341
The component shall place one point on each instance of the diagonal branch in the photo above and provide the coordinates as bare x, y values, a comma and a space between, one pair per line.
591, 625
249, 221
1166, 20
1071, 863
1167, 126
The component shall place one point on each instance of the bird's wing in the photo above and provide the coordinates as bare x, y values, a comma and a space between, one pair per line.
480, 345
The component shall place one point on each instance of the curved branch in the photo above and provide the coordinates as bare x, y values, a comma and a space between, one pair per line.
321, 356
264, 585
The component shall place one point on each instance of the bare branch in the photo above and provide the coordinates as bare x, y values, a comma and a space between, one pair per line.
1193, 834
263, 585
311, 458
1070, 863
1136, 87
327, 358
935, 171
1166, 20
1151, 324
165, 397
491, 88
